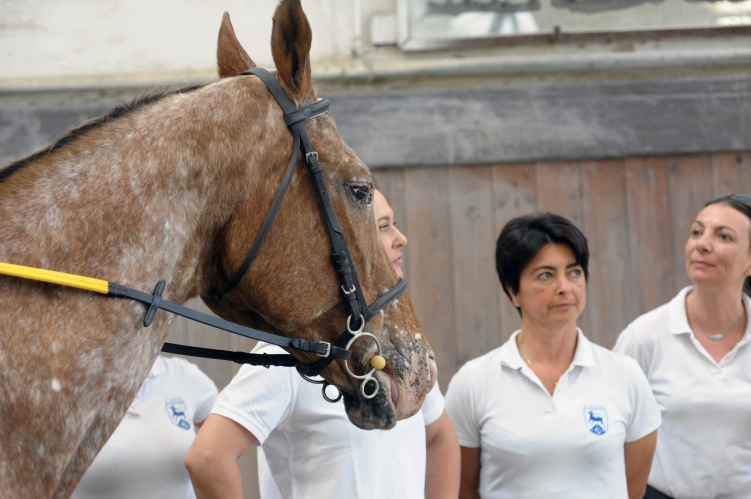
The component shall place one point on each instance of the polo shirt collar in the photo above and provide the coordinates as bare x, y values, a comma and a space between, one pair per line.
583, 356
509, 353
677, 313
679, 316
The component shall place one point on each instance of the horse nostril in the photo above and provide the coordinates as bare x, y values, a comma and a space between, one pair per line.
432, 370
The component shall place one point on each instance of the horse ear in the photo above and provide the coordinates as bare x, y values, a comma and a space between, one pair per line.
290, 47
230, 55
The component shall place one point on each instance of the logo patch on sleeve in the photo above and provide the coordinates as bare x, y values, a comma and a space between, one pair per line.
596, 418
178, 413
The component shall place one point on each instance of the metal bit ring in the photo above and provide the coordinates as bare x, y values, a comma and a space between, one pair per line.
378, 351
367, 377
324, 384
364, 384
326, 397
359, 331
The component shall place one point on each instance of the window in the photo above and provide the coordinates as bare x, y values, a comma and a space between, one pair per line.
428, 24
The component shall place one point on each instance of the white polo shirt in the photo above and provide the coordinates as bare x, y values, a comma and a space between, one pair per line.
310, 449
568, 445
144, 457
704, 445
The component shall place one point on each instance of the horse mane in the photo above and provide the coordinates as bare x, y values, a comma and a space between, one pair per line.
124, 109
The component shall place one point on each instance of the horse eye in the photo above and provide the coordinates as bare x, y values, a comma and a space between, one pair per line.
361, 192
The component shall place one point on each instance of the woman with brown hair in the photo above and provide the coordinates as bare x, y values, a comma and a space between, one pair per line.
695, 353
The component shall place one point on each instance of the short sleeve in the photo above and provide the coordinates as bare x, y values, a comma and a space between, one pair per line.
461, 408
645, 413
192, 383
433, 406
257, 398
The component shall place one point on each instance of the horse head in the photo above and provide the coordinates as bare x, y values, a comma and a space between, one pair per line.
174, 187
292, 288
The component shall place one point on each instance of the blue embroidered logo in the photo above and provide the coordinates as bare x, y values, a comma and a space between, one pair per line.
596, 417
178, 413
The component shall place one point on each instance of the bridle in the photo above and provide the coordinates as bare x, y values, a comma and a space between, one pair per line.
354, 301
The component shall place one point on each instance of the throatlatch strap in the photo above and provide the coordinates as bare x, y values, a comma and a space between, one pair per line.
292, 115
240, 273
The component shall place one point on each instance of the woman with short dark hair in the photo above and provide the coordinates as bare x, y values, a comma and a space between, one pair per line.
523, 237
549, 414
696, 355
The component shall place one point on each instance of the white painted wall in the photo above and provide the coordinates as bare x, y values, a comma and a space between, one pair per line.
52, 44
95, 41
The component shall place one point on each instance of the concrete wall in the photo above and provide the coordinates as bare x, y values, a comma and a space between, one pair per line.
471, 122
48, 41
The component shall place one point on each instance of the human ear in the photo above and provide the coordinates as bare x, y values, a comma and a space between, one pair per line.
514, 297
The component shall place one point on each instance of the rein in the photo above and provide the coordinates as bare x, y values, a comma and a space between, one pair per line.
155, 302
352, 295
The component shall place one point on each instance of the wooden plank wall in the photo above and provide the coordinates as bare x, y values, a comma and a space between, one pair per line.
635, 212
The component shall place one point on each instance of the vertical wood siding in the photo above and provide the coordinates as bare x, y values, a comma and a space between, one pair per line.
635, 212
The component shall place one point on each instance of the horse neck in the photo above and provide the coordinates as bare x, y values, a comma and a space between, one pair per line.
142, 198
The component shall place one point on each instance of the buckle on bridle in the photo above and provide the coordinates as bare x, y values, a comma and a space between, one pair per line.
311, 153
327, 352
348, 292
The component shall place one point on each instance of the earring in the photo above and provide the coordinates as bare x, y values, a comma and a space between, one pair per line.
516, 303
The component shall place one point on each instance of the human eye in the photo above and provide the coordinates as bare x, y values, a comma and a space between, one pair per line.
545, 276
726, 237
576, 273
383, 227
695, 232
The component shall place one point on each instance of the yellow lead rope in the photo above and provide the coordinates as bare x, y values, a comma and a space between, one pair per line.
73, 281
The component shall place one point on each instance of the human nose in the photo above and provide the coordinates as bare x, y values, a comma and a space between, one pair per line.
704, 242
564, 285
400, 240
